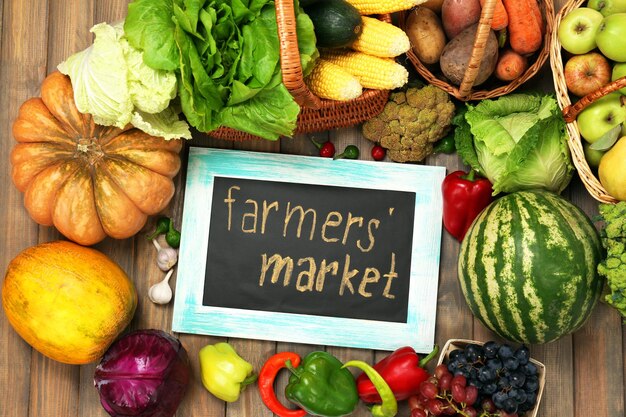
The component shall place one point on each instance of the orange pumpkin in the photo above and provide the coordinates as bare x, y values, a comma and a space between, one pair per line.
87, 180
67, 301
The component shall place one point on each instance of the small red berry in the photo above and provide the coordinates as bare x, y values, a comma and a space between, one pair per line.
327, 150
378, 153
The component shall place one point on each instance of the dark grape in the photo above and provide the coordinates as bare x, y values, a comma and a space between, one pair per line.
486, 374
428, 389
503, 383
511, 363
495, 364
517, 379
531, 398
505, 351
509, 405
499, 398
532, 384
491, 349
474, 353
490, 388
454, 354
530, 369
523, 355
519, 395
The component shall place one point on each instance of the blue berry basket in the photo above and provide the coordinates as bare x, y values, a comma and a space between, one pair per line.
454, 344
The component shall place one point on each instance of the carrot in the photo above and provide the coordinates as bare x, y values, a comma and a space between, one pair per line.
510, 66
537, 12
500, 18
524, 30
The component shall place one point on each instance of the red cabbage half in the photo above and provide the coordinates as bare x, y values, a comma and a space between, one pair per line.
144, 374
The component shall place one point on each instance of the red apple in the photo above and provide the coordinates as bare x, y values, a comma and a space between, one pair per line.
586, 73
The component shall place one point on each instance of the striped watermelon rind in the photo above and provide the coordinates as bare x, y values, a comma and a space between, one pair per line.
527, 267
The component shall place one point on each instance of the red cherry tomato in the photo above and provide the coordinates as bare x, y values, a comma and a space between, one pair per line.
378, 153
327, 150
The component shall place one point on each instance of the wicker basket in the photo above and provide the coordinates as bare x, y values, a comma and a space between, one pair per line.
491, 88
570, 111
316, 114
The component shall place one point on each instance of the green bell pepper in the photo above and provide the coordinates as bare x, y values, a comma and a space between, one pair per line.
321, 386
224, 373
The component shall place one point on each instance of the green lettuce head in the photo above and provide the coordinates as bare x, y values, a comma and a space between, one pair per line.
518, 142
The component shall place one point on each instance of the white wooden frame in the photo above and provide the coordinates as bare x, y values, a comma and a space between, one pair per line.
190, 316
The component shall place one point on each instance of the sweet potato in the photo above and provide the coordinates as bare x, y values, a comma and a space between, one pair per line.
425, 32
457, 15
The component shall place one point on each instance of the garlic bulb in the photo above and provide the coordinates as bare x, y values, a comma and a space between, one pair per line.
166, 256
161, 293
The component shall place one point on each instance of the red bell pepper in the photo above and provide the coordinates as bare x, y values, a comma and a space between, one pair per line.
464, 196
402, 370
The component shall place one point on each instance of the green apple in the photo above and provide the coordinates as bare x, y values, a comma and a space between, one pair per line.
608, 7
619, 71
611, 35
601, 116
577, 31
593, 156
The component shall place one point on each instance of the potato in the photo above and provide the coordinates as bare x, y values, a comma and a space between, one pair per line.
425, 32
457, 53
434, 5
457, 15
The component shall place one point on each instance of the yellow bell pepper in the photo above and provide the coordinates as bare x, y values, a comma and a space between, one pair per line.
224, 373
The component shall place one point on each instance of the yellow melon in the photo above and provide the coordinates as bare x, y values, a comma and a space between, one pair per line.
67, 301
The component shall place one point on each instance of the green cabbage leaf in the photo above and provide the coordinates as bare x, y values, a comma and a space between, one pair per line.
518, 142
112, 83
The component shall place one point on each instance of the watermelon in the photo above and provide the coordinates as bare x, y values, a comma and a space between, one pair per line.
527, 267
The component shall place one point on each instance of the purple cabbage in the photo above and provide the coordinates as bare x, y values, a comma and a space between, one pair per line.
143, 374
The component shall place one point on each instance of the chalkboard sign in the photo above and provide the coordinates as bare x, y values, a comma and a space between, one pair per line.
309, 250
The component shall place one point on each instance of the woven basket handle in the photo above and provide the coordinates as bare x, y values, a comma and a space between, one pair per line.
572, 111
290, 65
478, 50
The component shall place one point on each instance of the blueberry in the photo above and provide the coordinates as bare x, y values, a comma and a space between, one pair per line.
505, 351
517, 379
491, 349
523, 355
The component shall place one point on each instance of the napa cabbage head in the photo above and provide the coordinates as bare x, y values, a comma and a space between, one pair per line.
518, 142
112, 83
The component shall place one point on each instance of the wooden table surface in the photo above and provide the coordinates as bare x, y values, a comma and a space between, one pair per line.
585, 371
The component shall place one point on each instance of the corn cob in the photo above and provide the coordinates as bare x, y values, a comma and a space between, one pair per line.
366, 7
371, 71
381, 39
330, 81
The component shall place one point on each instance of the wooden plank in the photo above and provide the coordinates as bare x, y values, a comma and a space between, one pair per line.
22, 67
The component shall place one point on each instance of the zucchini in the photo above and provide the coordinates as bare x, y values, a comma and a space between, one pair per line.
337, 23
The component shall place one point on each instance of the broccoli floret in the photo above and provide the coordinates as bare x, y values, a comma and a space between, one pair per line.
613, 268
411, 122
